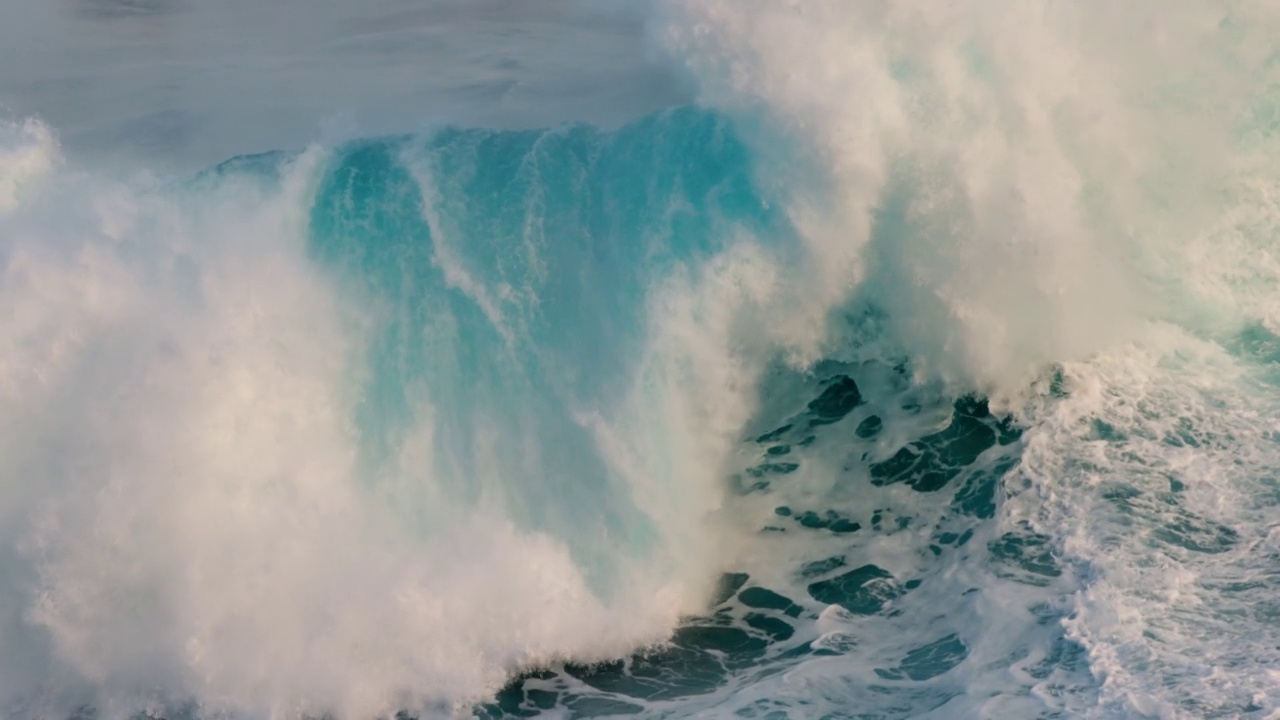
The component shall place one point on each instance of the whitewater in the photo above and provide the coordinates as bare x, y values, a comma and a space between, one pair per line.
678, 358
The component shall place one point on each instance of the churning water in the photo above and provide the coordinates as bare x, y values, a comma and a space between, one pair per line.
756, 359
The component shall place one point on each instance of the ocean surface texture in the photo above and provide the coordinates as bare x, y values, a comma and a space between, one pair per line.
762, 359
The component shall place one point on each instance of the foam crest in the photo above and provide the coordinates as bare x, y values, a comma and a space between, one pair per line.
183, 495
1004, 179
1030, 186
377, 426
694, 391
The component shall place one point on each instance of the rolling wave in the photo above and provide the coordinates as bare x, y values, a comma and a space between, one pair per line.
924, 368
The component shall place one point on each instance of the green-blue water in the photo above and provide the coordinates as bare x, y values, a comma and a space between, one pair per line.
872, 360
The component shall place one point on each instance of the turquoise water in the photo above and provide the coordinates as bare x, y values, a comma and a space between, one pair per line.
882, 360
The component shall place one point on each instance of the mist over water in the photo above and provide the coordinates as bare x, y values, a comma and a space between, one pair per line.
183, 85
693, 358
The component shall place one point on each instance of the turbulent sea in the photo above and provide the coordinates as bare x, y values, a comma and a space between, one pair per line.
678, 358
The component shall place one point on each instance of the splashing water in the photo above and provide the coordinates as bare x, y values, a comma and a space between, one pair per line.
925, 366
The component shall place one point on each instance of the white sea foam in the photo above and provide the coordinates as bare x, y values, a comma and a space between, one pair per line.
182, 499
1030, 164
1015, 185
1022, 185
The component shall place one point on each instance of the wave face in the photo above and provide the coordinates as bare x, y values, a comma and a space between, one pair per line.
927, 367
